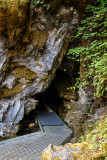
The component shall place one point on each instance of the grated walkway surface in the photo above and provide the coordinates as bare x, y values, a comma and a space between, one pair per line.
31, 146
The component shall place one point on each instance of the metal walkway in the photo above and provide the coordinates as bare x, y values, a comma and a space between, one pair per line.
31, 146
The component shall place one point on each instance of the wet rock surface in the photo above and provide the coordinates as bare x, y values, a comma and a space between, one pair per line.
29, 57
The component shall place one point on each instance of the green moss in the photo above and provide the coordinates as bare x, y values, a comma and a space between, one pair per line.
7, 92
37, 58
98, 136
11, 53
12, 17
13, 4
85, 150
39, 38
45, 77
13, 65
21, 72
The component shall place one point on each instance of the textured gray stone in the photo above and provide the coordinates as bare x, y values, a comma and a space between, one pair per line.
44, 49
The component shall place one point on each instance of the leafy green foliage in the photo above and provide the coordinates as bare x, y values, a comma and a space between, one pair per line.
36, 2
87, 108
93, 53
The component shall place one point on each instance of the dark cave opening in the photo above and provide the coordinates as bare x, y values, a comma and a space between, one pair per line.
65, 77
51, 98
28, 125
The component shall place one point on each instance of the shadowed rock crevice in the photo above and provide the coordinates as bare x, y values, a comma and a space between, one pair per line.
28, 125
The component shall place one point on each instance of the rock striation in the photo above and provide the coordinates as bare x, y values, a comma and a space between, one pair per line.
33, 43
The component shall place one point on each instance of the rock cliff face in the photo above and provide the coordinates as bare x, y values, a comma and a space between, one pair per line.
32, 46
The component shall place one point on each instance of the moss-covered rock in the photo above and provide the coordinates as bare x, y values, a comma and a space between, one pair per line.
93, 147
12, 17
39, 38
8, 92
32, 45
23, 72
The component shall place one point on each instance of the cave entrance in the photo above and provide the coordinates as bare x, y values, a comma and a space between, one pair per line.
51, 98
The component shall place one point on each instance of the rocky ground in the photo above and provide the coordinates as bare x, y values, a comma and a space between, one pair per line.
93, 145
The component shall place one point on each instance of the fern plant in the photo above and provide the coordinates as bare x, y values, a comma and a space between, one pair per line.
93, 55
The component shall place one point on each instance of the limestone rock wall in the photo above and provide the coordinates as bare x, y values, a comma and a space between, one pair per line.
32, 46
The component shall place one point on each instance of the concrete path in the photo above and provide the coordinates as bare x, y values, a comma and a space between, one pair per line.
31, 146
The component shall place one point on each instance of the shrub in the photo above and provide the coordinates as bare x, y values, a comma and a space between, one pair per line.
93, 55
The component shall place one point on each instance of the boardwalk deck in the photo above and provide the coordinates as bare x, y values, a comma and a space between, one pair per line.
31, 146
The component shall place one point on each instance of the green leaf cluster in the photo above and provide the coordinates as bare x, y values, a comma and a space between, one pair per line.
93, 53
41, 2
